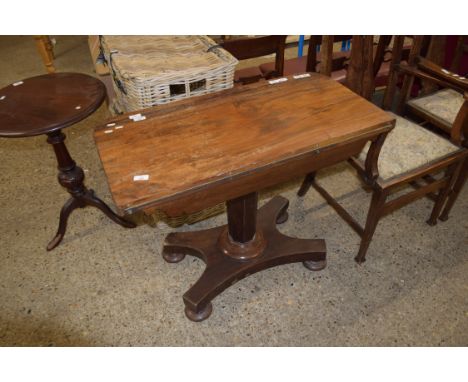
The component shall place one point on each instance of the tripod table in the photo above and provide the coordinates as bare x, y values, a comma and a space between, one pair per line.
45, 105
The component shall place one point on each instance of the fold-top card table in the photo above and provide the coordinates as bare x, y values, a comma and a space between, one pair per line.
225, 147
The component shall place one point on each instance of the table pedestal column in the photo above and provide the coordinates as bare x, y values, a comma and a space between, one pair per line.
71, 177
249, 243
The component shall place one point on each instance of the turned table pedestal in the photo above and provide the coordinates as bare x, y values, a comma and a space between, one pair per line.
45, 105
225, 147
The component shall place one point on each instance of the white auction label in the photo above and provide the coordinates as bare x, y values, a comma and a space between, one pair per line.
141, 177
297, 76
277, 81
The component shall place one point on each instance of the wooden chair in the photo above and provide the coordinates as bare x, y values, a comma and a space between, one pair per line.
319, 49
437, 105
311, 62
410, 154
245, 48
444, 106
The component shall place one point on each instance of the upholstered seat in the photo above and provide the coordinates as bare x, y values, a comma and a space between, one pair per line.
407, 147
442, 105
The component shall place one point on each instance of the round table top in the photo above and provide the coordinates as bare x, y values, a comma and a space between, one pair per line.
43, 104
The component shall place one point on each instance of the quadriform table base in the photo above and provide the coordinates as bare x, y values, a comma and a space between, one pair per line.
71, 177
246, 245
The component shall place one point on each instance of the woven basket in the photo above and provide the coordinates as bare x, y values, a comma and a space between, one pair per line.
154, 218
154, 70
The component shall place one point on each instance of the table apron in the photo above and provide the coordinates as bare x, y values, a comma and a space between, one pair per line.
256, 180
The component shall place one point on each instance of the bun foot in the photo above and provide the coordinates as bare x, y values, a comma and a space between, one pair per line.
282, 218
173, 257
200, 315
315, 265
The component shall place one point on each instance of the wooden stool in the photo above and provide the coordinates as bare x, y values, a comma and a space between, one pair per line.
45, 105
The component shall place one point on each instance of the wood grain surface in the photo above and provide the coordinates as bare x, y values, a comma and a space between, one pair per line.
205, 150
47, 103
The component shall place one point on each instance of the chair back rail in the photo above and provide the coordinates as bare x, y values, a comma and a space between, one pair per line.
360, 74
397, 56
429, 71
252, 47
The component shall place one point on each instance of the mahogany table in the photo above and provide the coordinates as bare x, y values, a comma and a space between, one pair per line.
45, 105
192, 154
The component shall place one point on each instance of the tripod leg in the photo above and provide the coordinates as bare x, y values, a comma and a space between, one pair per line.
90, 199
67, 209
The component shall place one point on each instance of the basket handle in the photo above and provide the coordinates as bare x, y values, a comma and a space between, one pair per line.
114, 77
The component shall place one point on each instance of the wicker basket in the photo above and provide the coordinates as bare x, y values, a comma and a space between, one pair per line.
153, 70
156, 217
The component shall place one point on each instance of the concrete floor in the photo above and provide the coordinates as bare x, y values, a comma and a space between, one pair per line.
105, 285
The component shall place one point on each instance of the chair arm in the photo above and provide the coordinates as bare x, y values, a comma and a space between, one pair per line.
412, 71
437, 71
459, 131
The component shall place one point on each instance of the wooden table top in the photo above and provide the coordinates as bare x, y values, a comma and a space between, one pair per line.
42, 104
204, 149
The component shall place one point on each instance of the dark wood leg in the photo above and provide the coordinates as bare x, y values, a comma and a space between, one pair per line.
373, 216
459, 183
451, 176
67, 209
249, 243
306, 184
71, 177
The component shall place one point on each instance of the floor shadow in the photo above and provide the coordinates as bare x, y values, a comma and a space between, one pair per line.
29, 332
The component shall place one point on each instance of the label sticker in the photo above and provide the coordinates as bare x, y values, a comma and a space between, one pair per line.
78, 107
445, 71
18, 83
277, 81
137, 117
110, 124
118, 127
2, 98
140, 177
297, 76
108, 131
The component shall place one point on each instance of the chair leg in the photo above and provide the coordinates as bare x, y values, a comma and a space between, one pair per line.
451, 174
461, 180
306, 183
373, 217
41, 45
